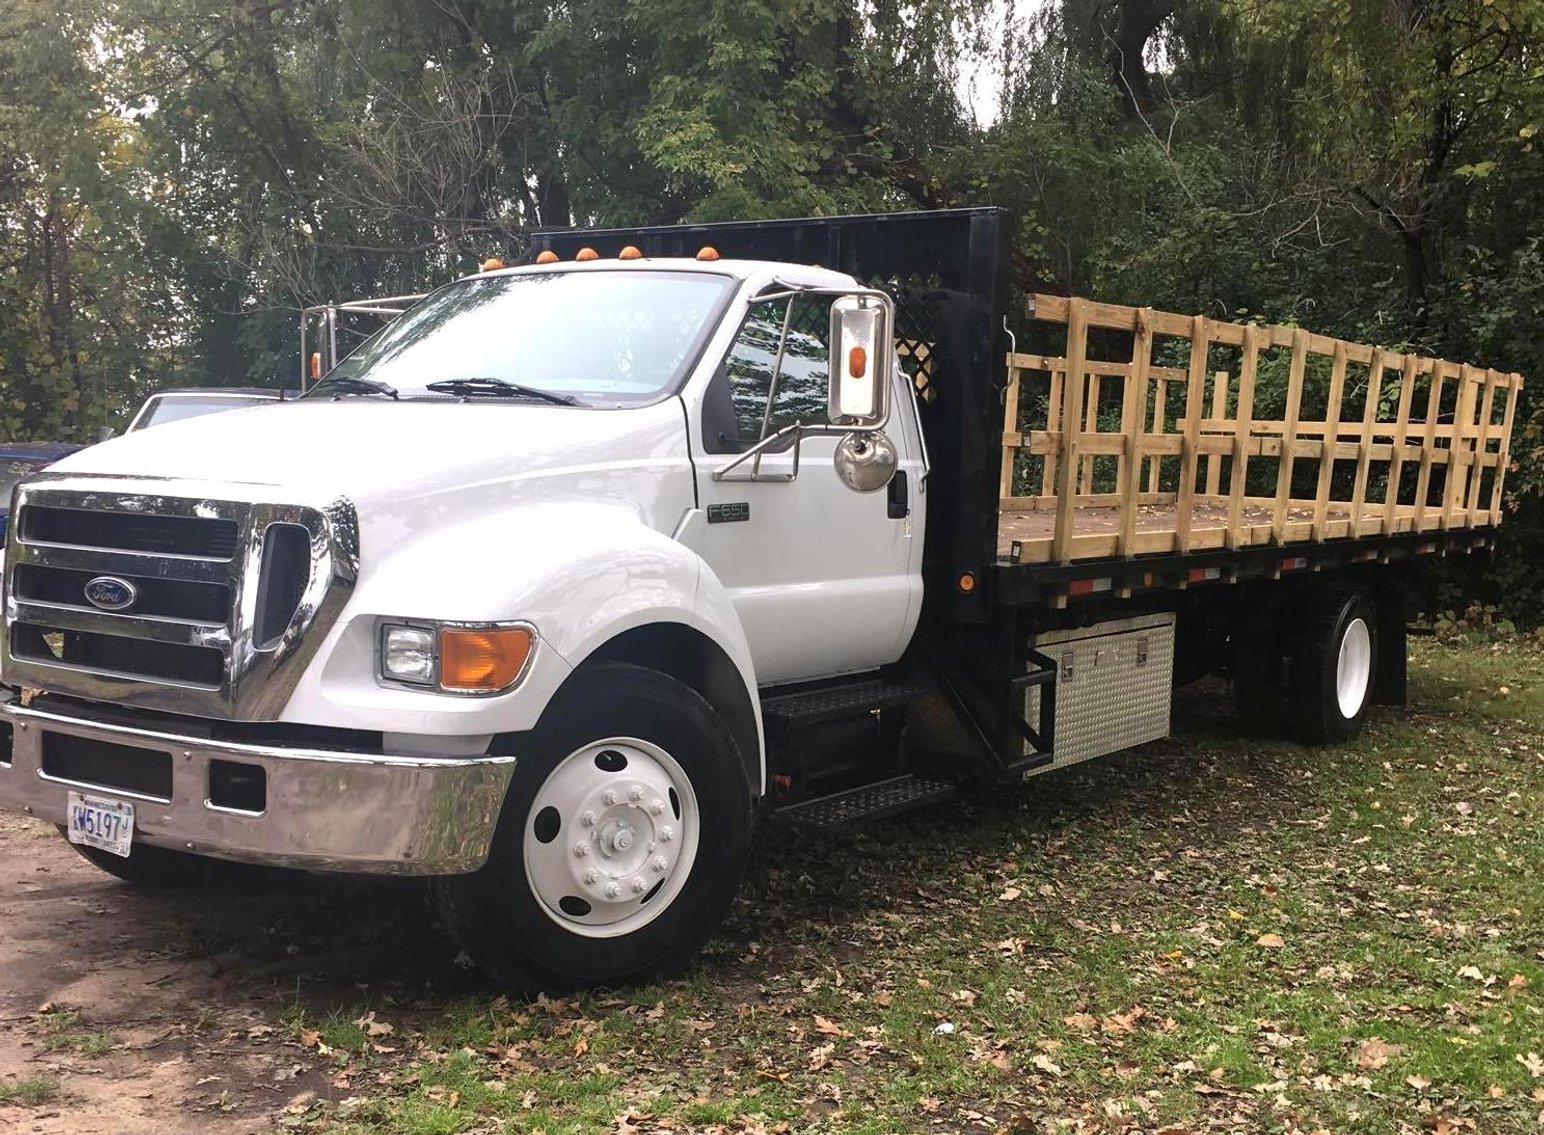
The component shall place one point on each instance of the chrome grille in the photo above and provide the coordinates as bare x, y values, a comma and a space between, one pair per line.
222, 601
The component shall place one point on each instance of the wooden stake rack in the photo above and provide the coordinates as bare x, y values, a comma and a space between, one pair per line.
1146, 436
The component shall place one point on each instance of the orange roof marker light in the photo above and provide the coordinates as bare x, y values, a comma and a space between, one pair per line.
586, 254
630, 253
492, 264
546, 256
707, 252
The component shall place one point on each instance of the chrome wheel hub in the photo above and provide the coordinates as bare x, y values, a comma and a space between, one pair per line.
1353, 668
611, 837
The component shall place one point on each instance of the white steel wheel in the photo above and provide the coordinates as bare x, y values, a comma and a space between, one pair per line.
611, 837
1353, 668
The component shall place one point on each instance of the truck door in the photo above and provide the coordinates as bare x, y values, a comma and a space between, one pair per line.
825, 580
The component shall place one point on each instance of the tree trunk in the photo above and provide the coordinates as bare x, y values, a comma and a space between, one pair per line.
1136, 22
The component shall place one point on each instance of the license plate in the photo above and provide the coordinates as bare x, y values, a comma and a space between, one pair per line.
96, 822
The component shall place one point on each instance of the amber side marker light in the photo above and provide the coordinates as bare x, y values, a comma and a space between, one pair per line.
483, 660
586, 254
316, 365
857, 362
492, 264
707, 252
546, 256
967, 582
630, 253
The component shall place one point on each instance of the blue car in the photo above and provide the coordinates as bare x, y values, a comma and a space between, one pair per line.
19, 460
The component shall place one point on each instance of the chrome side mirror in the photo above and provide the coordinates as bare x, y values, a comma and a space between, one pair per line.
862, 358
865, 462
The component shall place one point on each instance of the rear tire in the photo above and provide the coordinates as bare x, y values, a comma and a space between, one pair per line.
158, 868
620, 844
1334, 667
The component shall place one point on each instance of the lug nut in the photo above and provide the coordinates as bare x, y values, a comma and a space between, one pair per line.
656, 807
608, 797
635, 793
612, 890
639, 886
588, 819
592, 876
581, 849
661, 864
666, 834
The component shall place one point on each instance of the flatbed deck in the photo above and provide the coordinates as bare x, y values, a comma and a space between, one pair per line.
1362, 443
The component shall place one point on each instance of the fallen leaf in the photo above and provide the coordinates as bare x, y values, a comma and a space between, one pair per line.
1270, 941
1124, 1022
1127, 1069
883, 998
310, 1038
1518, 982
1083, 1022
828, 1027
581, 1046
1419, 1083
821, 1056
1533, 1063
1472, 973
1046, 891
966, 997
373, 1027
1464, 808
930, 1103
1374, 1053
257, 1032
1010, 894
1043, 1062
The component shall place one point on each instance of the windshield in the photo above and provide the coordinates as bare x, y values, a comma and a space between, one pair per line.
604, 338
163, 410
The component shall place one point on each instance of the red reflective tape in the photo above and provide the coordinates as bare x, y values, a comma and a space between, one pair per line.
1089, 586
1294, 563
1201, 575
1425, 549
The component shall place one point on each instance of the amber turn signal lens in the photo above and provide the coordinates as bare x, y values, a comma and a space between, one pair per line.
546, 256
857, 362
967, 582
492, 264
707, 252
630, 253
586, 254
483, 661
316, 365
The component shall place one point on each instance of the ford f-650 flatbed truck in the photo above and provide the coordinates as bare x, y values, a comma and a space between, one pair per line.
542, 589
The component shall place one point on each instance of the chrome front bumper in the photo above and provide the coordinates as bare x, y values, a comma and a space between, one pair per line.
325, 811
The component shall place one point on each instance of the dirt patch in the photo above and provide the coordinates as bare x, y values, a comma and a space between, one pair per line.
123, 1012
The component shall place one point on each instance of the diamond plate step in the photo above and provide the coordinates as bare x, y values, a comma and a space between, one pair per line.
843, 810
832, 702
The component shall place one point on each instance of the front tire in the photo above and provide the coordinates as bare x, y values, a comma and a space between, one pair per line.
1334, 667
621, 841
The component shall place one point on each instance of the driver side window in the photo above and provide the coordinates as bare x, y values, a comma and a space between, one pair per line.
735, 406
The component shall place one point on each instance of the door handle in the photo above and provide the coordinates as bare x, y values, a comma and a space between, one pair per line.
899, 502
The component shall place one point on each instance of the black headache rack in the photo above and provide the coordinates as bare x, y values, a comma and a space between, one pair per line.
947, 271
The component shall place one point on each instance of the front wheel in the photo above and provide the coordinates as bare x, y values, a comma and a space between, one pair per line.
621, 841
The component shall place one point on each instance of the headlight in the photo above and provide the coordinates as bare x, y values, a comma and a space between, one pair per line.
457, 658
408, 654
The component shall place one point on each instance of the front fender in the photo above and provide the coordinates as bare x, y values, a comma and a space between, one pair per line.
582, 574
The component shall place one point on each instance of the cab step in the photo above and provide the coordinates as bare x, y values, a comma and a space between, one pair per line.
843, 810
831, 703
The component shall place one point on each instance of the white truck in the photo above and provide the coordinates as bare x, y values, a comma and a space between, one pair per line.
545, 587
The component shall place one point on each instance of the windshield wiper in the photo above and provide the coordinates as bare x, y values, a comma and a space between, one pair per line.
342, 384
499, 388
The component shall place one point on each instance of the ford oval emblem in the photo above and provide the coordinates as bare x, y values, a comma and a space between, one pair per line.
111, 593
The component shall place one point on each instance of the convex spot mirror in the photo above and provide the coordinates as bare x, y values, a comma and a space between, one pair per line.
862, 357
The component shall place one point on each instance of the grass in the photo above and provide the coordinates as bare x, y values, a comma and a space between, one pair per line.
62, 1032
1209, 934
31, 1093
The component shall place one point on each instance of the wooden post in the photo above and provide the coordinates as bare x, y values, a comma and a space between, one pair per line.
1514, 385
1364, 445
1429, 442
1458, 448
1010, 427
1331, 438
1243, 421
1072, 403
1219, 411
1053, 409
1134, 411
1095, 383
1482, 441
1195, 398
1396, 463
1289, 434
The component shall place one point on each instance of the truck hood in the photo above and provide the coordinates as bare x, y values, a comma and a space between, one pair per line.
390, 458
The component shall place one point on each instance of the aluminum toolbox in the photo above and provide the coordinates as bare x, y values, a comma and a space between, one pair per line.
1114, 683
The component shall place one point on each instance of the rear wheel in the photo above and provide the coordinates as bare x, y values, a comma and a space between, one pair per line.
158, 868
621, 841
1334, 667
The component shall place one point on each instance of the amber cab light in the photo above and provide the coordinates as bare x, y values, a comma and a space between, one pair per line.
586, 254
483, 659
492, 264
707, 252
546, 256
631, 252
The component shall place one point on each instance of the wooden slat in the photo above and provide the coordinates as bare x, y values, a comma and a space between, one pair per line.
1091, 426
1463, 417
1364, 447
1048, 479
1513, 388
1244, 415
1072, 402
1160, 395
1428, 450
1195, 393
1482, 441
1401, 427
1327, 457
1219, 412
1134, 409
1289, 432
